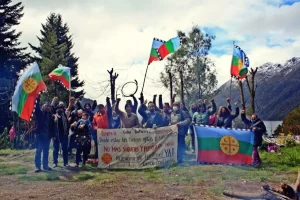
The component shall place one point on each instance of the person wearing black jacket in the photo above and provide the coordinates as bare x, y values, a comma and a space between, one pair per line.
225, 117
151, 117
61, 138
258, 127
44, 134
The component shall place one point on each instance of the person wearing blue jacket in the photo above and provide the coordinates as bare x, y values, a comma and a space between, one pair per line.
44, 134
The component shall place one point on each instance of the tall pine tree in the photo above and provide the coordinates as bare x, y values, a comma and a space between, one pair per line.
55, 24
12, 56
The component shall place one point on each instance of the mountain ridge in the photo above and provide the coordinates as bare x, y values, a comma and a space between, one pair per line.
278, 89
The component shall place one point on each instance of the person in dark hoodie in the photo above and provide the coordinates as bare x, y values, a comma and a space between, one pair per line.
45, 132
61, 137
258, 127
151, 117
89, 111
225, 117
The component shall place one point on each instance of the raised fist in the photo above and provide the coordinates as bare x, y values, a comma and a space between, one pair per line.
228, 100
212, 100
118, 99
236, 104
55, 99
243, 112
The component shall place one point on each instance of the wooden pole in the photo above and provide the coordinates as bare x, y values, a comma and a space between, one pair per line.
241, 94
171, 86
181, 86
145, 78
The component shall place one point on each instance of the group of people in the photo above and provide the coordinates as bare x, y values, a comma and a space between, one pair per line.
76, 126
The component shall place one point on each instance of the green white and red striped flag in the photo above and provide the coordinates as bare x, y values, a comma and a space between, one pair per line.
63, 75
169, 47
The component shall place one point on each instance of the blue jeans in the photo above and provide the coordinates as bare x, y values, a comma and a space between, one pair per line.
42, 145
181, 147
94, 136
63, 141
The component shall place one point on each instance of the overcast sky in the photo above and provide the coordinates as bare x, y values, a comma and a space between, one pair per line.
115, 33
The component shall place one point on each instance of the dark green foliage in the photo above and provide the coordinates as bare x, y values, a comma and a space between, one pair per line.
291, 122
4, 140
199, 75
56, 48
278, 130
12, 56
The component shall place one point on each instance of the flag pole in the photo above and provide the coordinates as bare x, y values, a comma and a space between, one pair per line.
70, 94
145, 78
230, 70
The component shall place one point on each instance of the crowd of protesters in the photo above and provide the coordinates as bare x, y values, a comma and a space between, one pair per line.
75, 126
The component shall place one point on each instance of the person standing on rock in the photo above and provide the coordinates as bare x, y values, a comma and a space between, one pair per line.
258, 127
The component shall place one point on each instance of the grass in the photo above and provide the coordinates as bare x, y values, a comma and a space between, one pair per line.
12, 169
275, 168
52, 176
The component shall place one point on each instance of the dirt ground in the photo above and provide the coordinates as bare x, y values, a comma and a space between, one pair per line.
115, 185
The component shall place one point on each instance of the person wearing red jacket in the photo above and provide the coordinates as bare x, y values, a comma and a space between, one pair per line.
102, 119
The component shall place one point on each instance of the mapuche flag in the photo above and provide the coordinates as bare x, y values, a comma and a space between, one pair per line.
224, 146
239, 64
155, 45
170, 46
63, 75
30, 84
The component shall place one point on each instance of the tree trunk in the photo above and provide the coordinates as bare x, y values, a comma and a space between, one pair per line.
113, 78
171, 86
242, 99
252, 94
252, 89
181, 86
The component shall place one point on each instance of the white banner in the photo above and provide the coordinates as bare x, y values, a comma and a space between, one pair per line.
137, 148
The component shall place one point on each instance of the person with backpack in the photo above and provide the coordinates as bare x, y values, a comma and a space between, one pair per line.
258, 127
181, 120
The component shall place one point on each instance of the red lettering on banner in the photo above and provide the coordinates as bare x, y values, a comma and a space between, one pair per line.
108, 133
130, 149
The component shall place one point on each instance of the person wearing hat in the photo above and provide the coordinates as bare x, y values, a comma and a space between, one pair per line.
181, 120
61, 135
101, 120
44, 134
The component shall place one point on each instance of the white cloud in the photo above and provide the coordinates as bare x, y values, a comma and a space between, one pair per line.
114, 33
